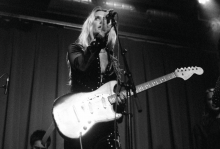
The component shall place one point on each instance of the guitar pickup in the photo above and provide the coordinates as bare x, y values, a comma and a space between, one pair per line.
103, 102
90, 108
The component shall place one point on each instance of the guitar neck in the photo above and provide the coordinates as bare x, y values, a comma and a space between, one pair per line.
144, 86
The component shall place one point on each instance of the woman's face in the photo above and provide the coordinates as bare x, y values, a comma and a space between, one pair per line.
210, 103
98, 24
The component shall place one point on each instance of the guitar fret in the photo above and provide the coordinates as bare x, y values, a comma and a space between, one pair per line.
173, 75
164, 79
146, 86
140, 88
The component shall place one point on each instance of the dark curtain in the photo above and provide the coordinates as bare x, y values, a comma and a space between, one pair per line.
35, 60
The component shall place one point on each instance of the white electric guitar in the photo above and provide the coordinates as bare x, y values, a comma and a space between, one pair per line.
75, 114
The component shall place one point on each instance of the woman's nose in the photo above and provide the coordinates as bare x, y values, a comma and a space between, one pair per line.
101, 20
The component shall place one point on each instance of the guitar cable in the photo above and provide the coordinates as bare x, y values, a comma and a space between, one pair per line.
80, 140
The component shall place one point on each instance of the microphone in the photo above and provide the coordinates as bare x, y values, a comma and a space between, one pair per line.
6, 85
216, 94
110, 16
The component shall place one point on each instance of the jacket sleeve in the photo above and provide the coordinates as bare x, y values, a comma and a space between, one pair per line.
81, 59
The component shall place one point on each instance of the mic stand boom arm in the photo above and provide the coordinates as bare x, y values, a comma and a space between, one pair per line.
129, 86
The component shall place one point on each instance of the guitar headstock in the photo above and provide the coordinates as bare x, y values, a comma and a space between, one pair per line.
186, 72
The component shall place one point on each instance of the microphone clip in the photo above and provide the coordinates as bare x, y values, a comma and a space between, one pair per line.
110, 17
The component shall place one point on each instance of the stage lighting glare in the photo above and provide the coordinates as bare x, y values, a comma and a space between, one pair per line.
203, 1
119, 5
215, 24
80, 1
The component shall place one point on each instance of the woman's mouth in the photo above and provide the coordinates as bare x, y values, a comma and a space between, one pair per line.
99, 27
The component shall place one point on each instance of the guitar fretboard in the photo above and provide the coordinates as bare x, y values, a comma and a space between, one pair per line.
146, 85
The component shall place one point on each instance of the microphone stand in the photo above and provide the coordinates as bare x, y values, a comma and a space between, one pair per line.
129, 86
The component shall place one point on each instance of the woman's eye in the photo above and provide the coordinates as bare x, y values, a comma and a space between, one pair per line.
97, 18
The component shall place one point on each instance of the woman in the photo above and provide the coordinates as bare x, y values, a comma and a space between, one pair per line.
91, 64
207, 134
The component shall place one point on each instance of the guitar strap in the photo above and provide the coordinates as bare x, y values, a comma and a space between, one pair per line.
115, 63
48, 132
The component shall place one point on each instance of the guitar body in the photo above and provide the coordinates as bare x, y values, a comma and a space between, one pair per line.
75, 114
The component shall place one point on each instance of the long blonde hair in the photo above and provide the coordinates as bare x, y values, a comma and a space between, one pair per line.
86, 35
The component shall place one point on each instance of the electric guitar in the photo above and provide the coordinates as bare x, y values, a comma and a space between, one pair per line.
75, 114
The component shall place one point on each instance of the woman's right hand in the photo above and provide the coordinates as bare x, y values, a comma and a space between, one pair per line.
106, 26
99, 42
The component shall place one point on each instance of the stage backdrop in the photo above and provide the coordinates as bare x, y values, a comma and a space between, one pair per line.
35, 60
